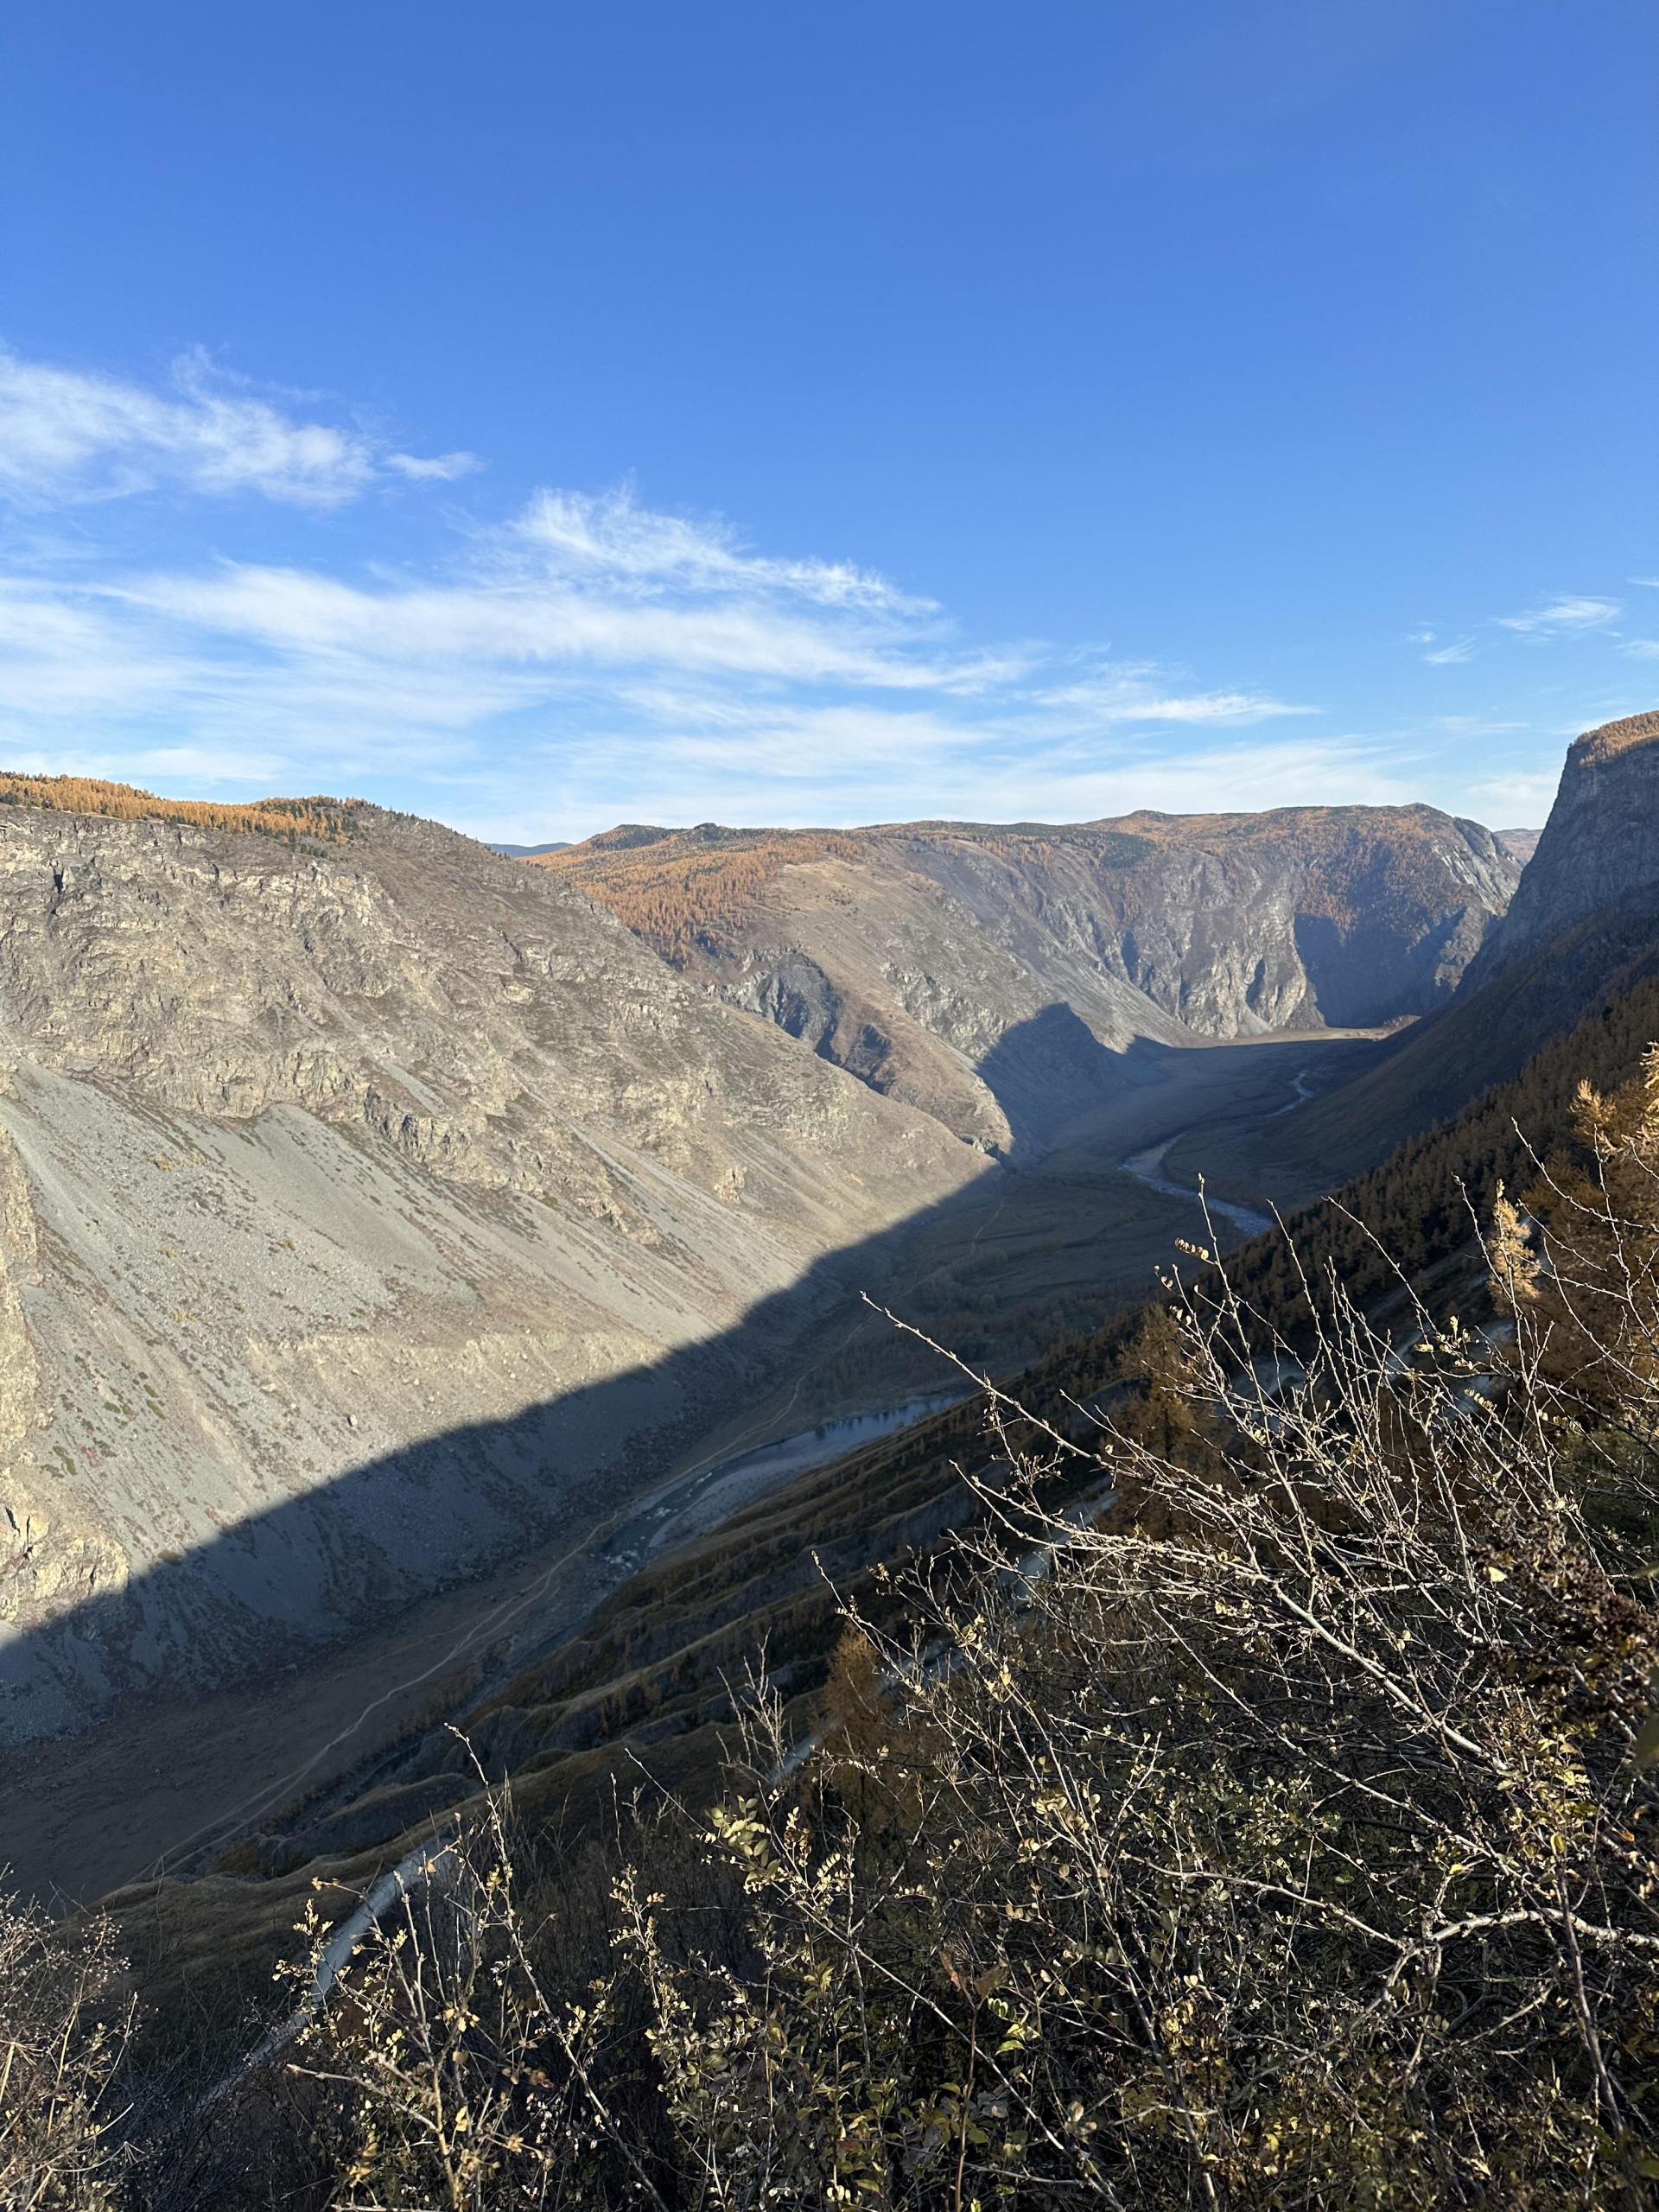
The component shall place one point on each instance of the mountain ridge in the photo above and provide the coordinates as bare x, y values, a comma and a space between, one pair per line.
906, 952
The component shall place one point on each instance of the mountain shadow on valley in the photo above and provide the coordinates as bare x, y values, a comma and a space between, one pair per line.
278, 1589
1047, 1072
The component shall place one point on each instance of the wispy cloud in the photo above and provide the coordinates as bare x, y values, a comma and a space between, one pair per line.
67, 435
430, 468
1473, 726
1563, 617
1568, 615
1139, 692
596, 658
1511, 800
614, 540
857, 762
588, 658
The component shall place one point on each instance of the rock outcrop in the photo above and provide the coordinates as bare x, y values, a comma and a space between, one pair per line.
1599, 849
1583, 925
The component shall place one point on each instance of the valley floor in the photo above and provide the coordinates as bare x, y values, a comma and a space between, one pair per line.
1027, 1256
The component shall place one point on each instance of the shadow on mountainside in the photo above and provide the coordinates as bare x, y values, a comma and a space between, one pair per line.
1482, 1037
1046, 1071
293, 1590
1361, 976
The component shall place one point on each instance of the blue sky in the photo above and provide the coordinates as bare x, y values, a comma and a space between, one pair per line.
540, 415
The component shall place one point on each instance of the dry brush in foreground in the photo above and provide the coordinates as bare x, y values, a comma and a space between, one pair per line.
1282, 1837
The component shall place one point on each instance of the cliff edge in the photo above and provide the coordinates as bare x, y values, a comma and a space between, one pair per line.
1599, 849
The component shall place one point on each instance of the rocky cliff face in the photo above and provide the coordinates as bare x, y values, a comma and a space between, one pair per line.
1239, 925
974, 971
359, 1203
1583, 922
1599, 847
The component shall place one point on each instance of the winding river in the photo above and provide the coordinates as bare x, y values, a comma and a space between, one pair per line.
1148, 1167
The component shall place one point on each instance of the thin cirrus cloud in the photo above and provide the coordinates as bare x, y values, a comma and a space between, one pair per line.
792, 765
615, 539
1133, 692
1569, 616
1444, 655
67, 435
713, 680
586, 658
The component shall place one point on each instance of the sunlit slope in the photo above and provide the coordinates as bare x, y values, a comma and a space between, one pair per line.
328, 820
316, 1152
914, 954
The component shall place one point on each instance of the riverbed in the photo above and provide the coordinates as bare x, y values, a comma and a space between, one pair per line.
703, 1499
1148, 1167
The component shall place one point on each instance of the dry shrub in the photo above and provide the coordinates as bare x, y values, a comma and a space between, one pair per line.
63, 2024
1288, 1843
1285, 1846
483, 2051
1578, 1265
1281, 1837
